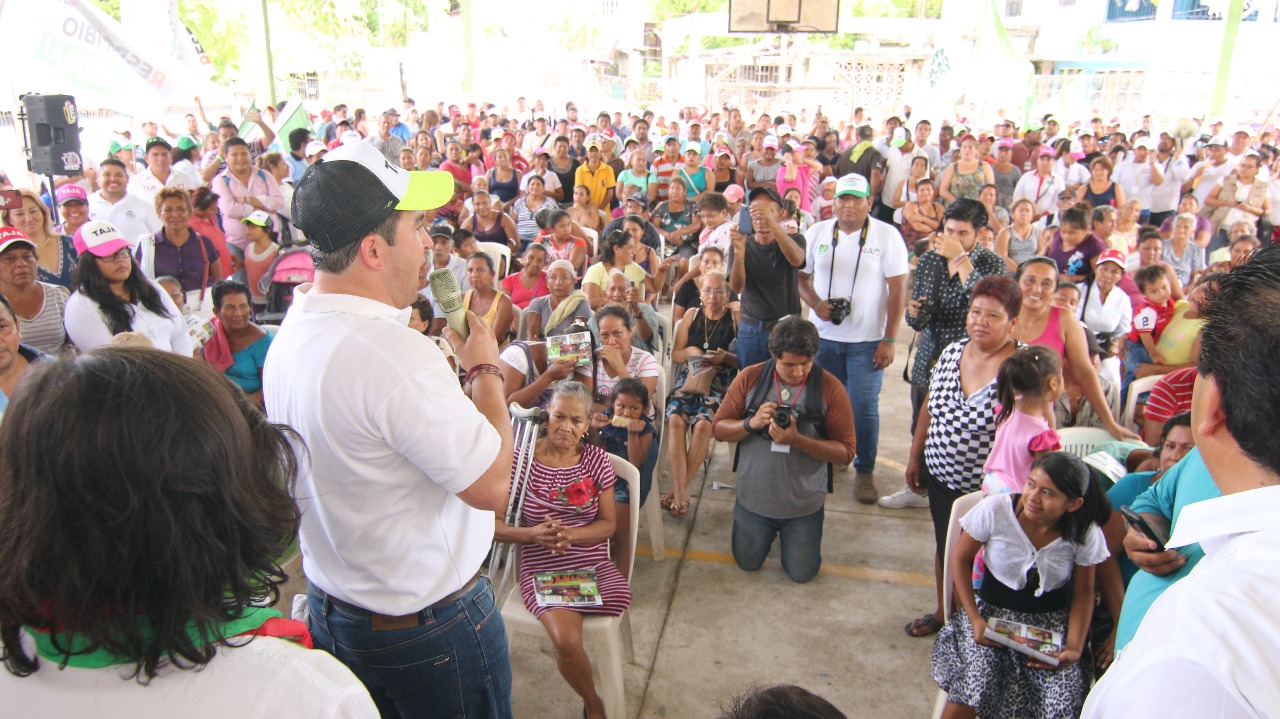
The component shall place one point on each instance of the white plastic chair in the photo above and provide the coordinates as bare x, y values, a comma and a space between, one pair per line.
652, 512
607, 638
1082, 441
501, 255
594, 238
961, 507
522, 323
447, 350
665, 340
1136, 388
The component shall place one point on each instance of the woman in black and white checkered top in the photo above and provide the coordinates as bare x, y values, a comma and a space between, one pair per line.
957, 424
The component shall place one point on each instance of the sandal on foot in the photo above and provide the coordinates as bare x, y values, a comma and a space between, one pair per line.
679, 509
928, 623
667, 502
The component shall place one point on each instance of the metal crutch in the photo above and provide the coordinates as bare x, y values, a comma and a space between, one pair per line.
526, 425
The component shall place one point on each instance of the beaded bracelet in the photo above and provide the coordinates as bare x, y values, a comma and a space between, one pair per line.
483, 369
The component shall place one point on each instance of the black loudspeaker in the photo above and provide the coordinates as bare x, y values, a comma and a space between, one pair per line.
53, 132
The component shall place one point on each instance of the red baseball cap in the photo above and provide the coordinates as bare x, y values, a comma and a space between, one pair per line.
1115, 256
10, 236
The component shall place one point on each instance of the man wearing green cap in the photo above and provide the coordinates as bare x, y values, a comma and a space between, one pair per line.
1024, 153
405, 471
897, 158
855, 283
187, 155
121, 148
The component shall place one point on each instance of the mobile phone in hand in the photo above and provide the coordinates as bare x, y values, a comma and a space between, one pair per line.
1143, 527
10, 199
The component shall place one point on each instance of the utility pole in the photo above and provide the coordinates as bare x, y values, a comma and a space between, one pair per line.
467, 57
1230, 28
271, 72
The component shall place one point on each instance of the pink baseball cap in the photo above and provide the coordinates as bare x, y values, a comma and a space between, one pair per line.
771, 142
1115, 256
99, 238
9, 236
1004, 142
1046, 150
734, 193
69, 193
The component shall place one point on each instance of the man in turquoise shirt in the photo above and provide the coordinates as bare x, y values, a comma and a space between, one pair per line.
1187, 482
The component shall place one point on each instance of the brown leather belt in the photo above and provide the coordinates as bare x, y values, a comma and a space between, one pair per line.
385, 622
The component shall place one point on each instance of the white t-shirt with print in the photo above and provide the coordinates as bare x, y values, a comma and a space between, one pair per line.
884, 256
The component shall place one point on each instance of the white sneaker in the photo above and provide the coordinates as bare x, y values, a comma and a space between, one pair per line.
903, 499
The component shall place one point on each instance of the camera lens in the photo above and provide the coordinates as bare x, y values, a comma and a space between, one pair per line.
783, 417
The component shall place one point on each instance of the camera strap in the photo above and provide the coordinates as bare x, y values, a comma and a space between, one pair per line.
857, 265
785, 393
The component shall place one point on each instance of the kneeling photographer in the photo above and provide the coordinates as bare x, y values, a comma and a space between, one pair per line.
791, 421
855, 281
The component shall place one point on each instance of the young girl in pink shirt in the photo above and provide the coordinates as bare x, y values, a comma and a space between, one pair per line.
1027, 385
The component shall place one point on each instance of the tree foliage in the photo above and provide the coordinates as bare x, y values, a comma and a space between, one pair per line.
220, 33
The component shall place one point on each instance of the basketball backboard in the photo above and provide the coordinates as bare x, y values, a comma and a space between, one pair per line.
783, 15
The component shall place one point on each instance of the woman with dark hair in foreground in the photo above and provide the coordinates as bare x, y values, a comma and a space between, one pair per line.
138, 551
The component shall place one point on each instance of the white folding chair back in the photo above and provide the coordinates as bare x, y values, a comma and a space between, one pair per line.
607, 638
961, 507
665, 339
652, 512
522, 324
1136, 388
594, 238
447, 350
501, 255
1082, 441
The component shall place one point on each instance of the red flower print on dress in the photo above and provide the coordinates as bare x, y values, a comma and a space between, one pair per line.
580, 494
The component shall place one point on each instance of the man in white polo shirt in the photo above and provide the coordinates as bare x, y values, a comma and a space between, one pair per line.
403, 473
160, 172
855, 282
132, 215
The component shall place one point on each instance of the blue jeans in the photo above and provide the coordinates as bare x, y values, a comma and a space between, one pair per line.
1135, 353
454, 664
622, 488
801, 542
753, 345
853, 363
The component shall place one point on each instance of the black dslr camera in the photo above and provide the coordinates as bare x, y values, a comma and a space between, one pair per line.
839, 310
783, 415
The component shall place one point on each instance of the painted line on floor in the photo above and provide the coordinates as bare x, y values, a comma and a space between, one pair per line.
869, 574
891, 463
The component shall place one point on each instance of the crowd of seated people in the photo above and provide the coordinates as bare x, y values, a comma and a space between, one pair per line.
1056, 284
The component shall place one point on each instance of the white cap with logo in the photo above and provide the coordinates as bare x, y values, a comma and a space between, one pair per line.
853, 184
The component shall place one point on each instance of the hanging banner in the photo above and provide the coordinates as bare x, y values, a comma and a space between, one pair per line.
161, 23
71, 47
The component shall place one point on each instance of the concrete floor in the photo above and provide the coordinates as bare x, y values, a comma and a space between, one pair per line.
705, 630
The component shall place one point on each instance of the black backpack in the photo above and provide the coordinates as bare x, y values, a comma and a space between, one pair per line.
812, 409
